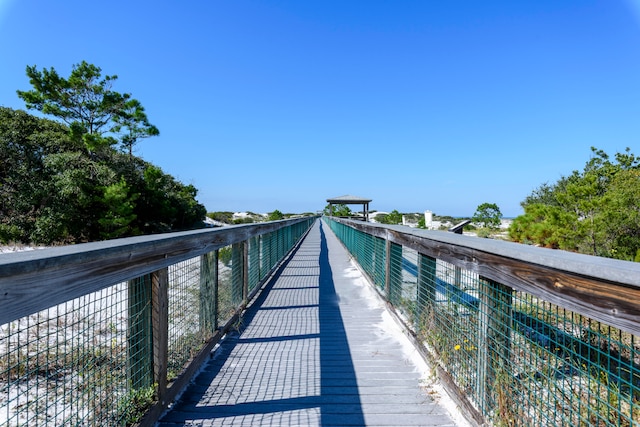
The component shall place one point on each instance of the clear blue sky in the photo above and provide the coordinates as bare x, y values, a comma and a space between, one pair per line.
281, 104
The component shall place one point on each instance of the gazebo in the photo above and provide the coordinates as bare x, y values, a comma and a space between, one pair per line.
350, 200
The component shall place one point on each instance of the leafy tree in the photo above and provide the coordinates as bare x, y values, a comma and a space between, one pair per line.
338, 210
53, 191
545, 225
165, 204
64, 182
25, 181
132, 124
593, 211
77, 183
85, 101
275, 216
119, 213
393, 217
226, 216
487, 215
620, 222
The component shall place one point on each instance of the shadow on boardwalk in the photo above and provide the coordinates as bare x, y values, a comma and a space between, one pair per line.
296, 360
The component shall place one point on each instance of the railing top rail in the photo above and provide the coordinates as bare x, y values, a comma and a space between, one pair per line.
608, 269
34, 280
601, 288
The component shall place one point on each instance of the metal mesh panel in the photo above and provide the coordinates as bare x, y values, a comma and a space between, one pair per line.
229, 291
520, 360
185, 337
280, 244
265, 255
273, 248
237, 279
394, 290
90, 361
379, 261
446, 318
67, 365
367, 257
268, 252
406, 293
364, 254
254, 262
369, 251
288, 239
523, 361
572, 370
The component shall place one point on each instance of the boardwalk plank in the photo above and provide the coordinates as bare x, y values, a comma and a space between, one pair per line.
312, 351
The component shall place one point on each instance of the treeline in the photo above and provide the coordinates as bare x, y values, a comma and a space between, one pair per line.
55, 190
76, 179
228, 217
595, 211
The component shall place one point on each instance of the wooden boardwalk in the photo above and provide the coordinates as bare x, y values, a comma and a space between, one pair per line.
316, 348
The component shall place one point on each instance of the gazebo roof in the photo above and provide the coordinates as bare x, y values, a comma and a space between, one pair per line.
348, 200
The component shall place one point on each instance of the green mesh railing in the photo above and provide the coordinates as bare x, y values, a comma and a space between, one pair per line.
67, 365
102, 358
518, 359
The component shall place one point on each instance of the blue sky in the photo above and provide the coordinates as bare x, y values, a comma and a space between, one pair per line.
281, 104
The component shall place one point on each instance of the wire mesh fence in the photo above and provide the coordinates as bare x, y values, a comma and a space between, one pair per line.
186, 331
520, 360
67, 365
253, 269
97, 360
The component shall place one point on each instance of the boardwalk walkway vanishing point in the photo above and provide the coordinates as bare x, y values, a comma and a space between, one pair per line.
316, 348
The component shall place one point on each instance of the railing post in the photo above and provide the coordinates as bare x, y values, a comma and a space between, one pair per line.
387, 270
426, 290
253, 262
393, 271
209, 293
160, 327
237, 269
245, 272
273, 248
380, 264
280, 243
394, 284
139, 333
264, 256
457, 280
494, 342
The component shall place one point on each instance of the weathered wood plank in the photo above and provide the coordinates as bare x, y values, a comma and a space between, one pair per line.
208, 293
35, 280
604, 289
311, 352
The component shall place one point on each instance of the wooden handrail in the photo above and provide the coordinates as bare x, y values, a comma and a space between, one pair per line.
35, 280
604, 289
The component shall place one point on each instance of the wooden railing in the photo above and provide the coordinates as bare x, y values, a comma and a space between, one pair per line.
93, 334
521, 335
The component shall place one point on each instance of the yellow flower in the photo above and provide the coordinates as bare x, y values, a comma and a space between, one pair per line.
457, 347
